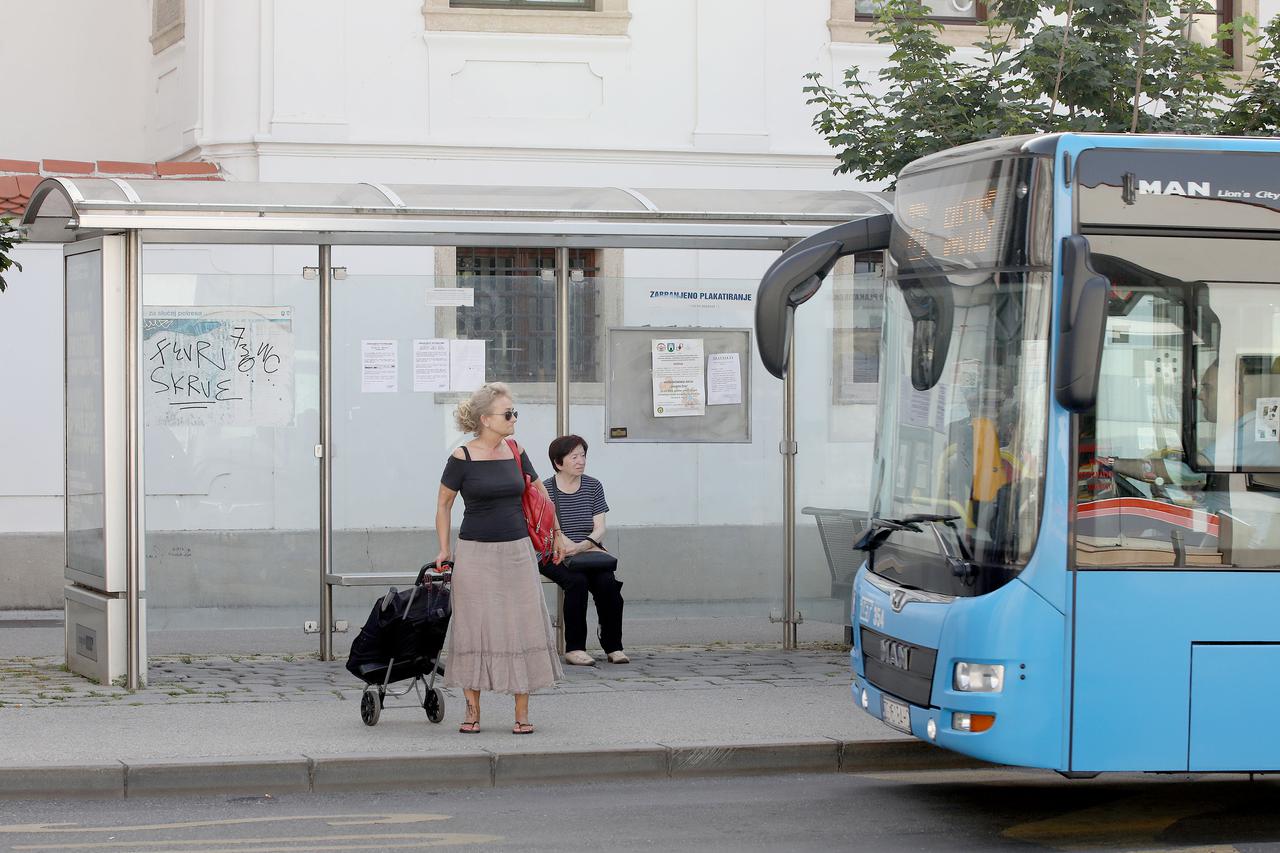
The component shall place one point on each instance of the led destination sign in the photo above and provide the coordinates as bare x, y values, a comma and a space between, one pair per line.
971, 216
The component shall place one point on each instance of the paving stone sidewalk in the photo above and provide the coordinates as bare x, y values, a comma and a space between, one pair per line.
202, 679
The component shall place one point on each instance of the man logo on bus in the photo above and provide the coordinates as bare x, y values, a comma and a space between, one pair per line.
1191, 188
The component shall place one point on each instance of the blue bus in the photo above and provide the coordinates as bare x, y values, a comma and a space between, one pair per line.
1073, 558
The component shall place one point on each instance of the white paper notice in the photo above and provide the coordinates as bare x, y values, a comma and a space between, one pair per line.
464, 297
1266, 425
724, 379
431, 364
679, 378
378, 367
466, 365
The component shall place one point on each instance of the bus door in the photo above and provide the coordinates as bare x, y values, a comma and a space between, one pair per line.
1176, 652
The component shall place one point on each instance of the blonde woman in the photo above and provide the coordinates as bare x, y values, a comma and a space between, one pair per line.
500, 637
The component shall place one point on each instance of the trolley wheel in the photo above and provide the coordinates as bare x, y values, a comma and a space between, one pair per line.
433, 704
370, 707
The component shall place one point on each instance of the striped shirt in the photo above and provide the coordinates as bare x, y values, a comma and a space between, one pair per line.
576, 511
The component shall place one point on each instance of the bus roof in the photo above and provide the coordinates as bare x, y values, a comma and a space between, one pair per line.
1046, 144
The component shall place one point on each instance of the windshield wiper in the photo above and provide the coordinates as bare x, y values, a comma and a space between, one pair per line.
958, 559
879, 530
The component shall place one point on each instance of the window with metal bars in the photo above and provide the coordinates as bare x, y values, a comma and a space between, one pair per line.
515, 310
947, 11
1224, 14
1205, 19
575, 5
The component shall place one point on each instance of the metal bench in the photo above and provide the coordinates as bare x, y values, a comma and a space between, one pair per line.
839, 529
402, 579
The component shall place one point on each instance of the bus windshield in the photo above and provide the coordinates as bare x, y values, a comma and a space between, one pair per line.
1179, 464
963, 394
970, 447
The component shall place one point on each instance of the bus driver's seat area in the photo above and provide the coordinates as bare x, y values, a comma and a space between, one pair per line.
975, 477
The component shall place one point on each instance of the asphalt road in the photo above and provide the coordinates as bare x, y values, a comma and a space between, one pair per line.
953, 810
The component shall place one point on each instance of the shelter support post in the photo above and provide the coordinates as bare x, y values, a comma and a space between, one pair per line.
789, 449
325, 451
562, 390
135, 664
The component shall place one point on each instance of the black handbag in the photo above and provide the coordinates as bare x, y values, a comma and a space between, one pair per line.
592, 561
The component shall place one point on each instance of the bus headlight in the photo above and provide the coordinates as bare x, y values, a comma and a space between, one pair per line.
979, 677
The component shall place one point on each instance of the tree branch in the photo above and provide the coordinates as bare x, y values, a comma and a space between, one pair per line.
1137, 82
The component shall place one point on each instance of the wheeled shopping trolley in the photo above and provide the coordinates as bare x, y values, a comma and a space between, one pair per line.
402, 641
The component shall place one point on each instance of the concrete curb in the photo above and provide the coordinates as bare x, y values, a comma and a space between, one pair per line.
469, 769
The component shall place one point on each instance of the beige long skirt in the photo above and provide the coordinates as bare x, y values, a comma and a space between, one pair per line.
500, 636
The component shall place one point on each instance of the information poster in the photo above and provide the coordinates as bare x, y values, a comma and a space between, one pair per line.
431, 364
459, 297
466, 365
724, 379
1266, 424
679, 378
379, 367
218, 365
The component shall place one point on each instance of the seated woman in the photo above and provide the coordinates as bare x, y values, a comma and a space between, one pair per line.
587, 567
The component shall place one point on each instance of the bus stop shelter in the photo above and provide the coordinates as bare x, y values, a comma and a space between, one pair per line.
104, 225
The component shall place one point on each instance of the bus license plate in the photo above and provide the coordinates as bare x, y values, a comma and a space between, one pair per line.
896, 714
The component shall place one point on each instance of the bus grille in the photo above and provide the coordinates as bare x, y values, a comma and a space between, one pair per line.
902, 669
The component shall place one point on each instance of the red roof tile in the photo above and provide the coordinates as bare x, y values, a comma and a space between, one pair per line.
173, 168
120, 167
27, 183
19, 178
68, 167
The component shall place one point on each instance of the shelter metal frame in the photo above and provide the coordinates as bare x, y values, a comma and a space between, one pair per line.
71, 210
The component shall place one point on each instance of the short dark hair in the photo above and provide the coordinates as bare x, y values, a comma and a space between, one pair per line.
562, 447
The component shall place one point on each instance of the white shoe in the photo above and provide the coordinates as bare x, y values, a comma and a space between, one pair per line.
619, 657
579, 658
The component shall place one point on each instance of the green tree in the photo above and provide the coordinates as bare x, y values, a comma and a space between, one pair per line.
9, 237
1084, 65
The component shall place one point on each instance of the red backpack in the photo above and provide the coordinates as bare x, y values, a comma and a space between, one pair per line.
539, 512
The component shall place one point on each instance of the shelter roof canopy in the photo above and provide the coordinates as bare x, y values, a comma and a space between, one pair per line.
66, 209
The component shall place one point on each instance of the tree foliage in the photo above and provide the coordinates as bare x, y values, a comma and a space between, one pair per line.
9, 238
1121, 66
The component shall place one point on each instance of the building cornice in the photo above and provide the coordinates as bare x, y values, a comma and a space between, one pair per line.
228, 151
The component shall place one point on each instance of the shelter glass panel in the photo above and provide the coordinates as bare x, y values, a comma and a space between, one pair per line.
407, 349
86, 459
230, 389
837, 340
696, 525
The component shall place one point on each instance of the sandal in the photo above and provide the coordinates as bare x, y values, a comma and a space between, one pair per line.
470, 727
522, 728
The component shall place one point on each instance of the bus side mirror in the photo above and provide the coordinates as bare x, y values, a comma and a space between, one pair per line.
788, 283
797, 275
932, 308
1081, 327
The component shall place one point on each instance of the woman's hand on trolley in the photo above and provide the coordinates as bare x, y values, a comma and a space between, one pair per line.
441, 559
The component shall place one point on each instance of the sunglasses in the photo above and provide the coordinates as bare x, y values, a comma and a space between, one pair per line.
509, 414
